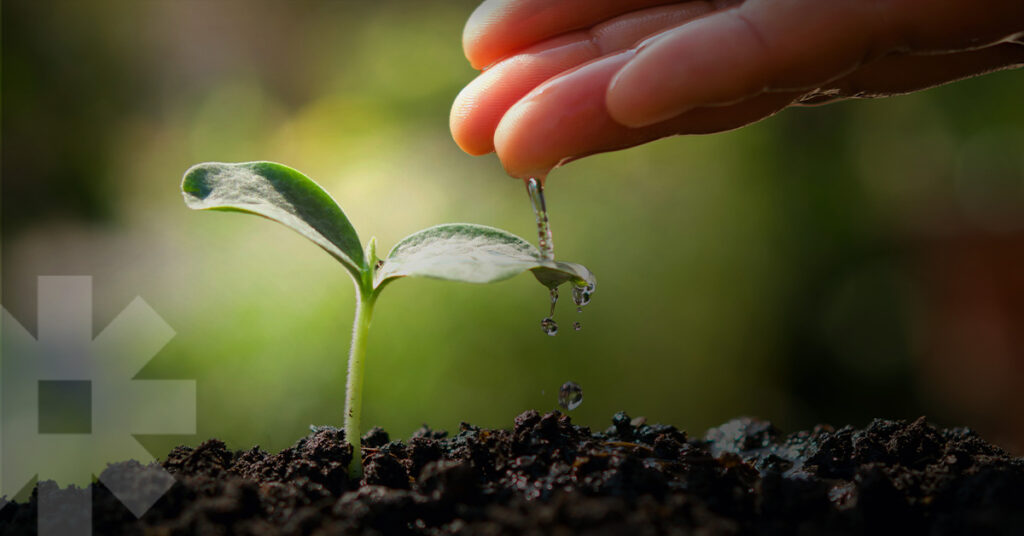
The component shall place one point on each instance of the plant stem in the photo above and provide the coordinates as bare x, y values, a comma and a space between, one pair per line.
354, 389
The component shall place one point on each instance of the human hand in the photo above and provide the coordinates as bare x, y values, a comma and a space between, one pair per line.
564, 79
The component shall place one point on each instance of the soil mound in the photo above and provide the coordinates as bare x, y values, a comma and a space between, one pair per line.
546, 475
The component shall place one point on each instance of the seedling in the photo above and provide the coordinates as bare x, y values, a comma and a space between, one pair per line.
453, 251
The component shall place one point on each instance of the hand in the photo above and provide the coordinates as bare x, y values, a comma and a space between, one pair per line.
564, 79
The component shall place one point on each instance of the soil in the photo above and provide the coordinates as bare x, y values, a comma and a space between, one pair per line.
546, 475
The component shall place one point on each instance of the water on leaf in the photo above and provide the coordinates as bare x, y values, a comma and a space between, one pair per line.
581, 294
570, 396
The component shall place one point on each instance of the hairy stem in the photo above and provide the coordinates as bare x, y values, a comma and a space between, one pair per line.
356, 362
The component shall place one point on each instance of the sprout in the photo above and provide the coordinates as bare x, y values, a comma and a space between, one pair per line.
453, 251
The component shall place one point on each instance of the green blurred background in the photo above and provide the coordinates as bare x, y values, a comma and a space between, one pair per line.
827, 265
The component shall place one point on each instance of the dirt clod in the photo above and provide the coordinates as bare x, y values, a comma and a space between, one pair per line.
547, 475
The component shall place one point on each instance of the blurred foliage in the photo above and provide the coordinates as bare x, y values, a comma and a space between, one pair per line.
769, 271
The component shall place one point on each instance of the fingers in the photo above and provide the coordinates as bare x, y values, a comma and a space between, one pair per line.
737, 53
566, 118
481, 104
790, 45
580, 89
499, 28
895, 75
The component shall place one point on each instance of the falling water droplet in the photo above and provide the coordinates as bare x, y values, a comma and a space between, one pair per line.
535, 189
581, 297
548, 324
570, 396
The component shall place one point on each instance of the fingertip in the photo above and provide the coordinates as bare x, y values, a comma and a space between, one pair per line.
472, 135
471, 48
562, 118
479, 107
478, 36
519, 144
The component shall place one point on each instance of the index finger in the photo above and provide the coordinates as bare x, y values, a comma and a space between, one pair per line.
498, 28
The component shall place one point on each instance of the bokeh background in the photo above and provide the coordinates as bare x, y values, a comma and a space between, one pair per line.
830, 264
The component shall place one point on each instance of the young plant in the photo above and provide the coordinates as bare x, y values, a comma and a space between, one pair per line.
453, 251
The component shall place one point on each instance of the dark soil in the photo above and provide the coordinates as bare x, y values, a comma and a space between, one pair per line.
547, 475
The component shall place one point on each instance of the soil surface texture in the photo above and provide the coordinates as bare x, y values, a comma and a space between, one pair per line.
548, 476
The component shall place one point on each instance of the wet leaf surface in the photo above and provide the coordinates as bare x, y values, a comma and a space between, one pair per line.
472, 254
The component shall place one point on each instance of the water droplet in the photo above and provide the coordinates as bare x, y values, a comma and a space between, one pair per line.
548, 324
581, 294
570, 396
535, 189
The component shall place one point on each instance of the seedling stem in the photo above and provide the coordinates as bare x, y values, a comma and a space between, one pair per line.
356, 365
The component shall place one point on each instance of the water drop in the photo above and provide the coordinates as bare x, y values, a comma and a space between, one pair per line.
581, 294
570, 396
548, 324
581, 297
535, 189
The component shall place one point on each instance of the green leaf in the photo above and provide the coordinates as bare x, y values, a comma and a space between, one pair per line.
279, 193
553, 274
473, 254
